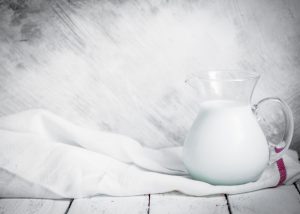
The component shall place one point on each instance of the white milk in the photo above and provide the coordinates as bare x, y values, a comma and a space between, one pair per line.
225, 145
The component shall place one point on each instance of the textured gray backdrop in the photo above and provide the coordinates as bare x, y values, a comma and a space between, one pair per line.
121, 65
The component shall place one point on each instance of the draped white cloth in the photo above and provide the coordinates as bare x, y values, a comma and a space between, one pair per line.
45, 156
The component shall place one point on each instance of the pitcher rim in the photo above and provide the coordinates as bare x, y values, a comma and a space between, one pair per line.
228, 75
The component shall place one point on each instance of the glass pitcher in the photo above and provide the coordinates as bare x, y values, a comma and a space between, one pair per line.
226, 145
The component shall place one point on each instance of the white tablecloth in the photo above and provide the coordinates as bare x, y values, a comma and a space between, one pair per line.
45, 156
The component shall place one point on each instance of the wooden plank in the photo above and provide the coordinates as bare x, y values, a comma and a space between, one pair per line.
284, 199
33, 206
108, 204
179, 203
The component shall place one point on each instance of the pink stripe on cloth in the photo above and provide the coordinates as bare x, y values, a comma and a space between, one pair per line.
281, 168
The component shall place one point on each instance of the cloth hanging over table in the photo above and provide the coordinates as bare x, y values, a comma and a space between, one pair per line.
45, 156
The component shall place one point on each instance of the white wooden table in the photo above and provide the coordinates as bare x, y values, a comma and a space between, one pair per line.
283, 200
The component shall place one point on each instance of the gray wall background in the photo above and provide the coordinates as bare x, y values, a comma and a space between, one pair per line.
121, 65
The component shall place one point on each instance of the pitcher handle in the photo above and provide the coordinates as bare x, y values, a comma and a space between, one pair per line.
289, 127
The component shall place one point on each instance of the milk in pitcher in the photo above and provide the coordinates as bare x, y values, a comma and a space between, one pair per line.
225, 144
